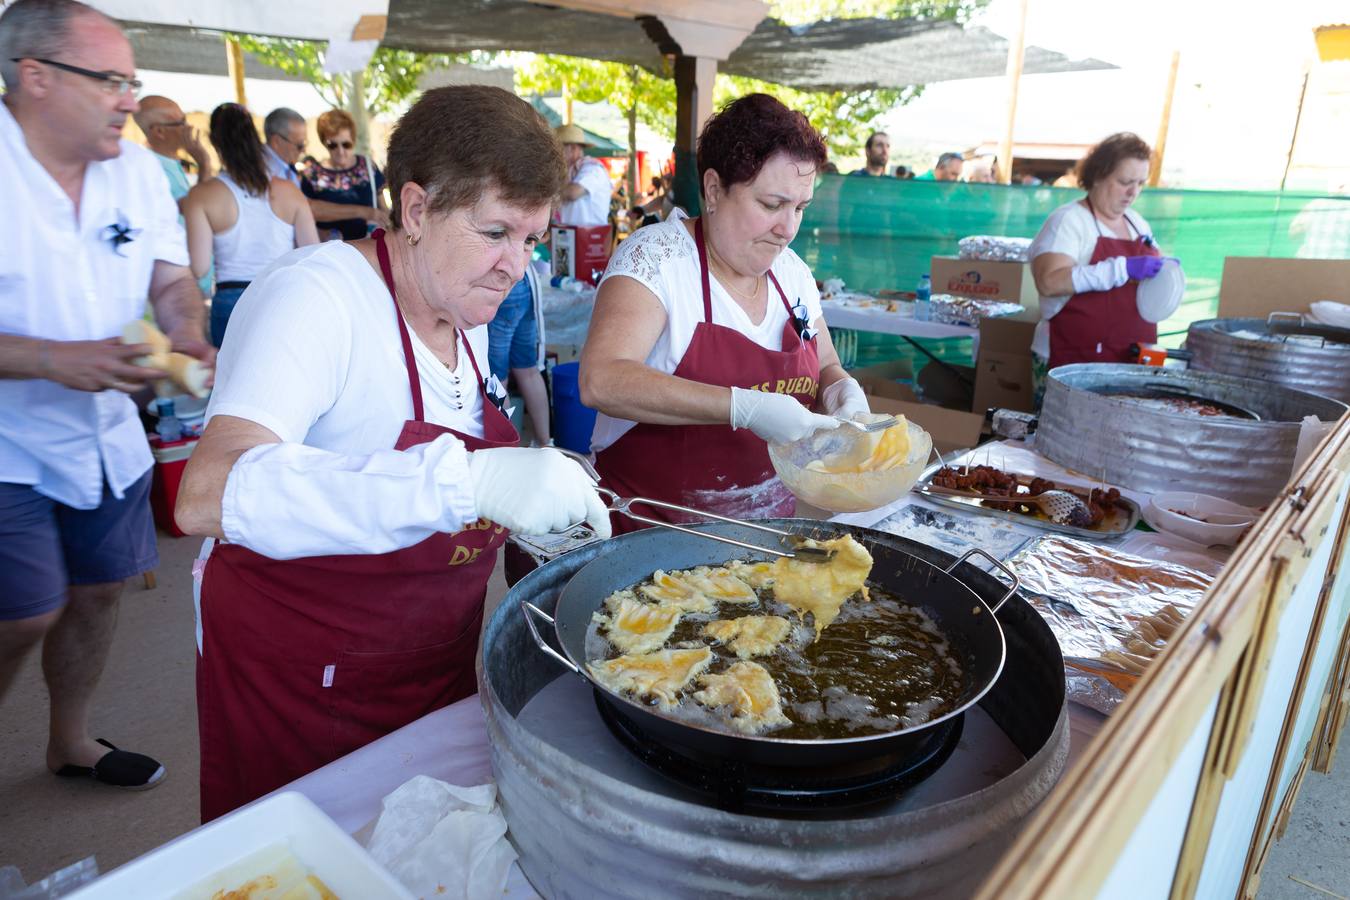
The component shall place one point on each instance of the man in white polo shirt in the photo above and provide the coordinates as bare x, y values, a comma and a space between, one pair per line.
586, 196
90, 231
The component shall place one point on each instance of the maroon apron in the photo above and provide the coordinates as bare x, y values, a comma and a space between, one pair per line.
714, 467
1100, 326
305, 660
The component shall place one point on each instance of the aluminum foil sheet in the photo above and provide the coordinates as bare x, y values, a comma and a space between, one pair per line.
995, 249
1111, 612
952, 310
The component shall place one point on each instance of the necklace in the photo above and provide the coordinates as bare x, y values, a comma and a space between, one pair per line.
754, 292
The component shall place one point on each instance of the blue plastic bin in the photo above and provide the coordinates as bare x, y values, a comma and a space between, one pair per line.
572, 421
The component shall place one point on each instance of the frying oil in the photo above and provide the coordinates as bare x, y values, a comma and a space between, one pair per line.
881, 666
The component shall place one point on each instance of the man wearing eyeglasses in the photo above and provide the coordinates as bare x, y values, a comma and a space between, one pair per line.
89, 232
167, 133
284, 133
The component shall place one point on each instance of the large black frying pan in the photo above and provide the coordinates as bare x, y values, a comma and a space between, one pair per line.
969, 625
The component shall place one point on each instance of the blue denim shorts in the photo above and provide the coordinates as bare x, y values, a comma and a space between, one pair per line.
513, 335
222, 304
46, 546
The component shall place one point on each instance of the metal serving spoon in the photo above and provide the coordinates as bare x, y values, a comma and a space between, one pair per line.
872, 427
1062, 507
623, 506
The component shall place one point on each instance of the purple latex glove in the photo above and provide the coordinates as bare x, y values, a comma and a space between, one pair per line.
1141, 267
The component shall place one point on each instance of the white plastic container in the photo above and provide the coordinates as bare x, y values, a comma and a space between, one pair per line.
206, 859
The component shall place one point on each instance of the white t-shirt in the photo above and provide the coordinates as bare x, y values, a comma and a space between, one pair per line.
664, 259
593, 208
63, 278
314, 355
1073, 231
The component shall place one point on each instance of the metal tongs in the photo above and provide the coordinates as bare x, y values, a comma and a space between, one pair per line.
623, 505
1062, 507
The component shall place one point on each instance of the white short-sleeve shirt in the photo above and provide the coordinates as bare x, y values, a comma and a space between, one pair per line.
664, 259
314, 356
63, 277
593, 208
1071, 230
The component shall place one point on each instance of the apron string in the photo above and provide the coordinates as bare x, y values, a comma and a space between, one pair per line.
414, 382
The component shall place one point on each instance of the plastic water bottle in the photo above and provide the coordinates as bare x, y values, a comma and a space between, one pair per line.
168, 427
923, 296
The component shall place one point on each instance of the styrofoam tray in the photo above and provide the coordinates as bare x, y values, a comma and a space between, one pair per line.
195, 859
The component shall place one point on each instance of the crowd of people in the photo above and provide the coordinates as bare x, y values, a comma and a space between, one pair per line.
357, 456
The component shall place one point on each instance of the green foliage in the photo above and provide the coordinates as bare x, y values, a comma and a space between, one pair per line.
391, 78
596, 81
802, 12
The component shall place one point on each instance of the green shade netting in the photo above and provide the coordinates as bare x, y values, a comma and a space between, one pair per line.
879, 233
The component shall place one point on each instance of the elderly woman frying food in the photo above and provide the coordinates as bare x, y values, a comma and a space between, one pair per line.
707, 339
357, 468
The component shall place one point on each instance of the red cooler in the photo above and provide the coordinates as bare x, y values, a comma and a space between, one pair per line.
170, 460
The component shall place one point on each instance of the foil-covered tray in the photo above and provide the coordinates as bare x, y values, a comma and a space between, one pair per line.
1115, 526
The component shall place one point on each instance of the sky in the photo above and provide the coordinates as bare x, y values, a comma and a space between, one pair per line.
1237, 88
1233, 113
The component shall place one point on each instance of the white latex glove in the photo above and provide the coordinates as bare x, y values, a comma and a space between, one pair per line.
844, 399
777, 418
535, 491
1101, 276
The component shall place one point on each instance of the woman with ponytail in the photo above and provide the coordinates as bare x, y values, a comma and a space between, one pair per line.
242, 219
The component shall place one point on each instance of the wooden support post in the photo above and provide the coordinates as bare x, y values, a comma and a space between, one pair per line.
1160, 145
1016, 53
694, 77
234, 61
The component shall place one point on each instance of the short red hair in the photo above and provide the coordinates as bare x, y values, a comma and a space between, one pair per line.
333, 123
740, 138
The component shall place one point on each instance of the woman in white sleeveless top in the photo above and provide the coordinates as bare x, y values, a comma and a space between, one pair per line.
242, 218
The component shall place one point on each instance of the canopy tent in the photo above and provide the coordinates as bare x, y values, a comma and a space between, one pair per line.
599, 144
844, 54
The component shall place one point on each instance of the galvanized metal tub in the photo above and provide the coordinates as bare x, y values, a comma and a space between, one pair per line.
582, 833
1306, 358
1120, 441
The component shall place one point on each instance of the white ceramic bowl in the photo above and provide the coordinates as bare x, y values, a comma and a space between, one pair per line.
854, 492
1165, 513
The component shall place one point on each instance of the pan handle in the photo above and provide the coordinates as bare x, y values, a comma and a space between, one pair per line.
1016, 582
526, 608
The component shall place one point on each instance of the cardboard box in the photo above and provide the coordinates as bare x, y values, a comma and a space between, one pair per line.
988, 280
1255, 286
950, 429
580, 252
1003, 368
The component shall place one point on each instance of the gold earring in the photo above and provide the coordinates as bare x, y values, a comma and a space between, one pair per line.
412, 241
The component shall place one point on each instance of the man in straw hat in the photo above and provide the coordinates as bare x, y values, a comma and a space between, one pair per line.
586, 196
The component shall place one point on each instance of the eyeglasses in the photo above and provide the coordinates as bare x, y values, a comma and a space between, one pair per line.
112, 84
298, 145
333, 145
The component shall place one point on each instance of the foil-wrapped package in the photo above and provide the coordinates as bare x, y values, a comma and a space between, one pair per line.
1111, 612
995, 249
950, 309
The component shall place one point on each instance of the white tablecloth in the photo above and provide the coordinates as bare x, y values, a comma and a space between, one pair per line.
870, 318
450, 744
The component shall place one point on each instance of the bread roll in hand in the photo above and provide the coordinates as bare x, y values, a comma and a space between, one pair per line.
186, 372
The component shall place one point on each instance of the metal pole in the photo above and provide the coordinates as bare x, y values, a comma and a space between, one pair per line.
1016, 53
1160, 145
1298, 119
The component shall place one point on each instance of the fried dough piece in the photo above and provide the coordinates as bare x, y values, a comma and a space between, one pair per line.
756, 574
720, 584
656, 676
675, 589
822, 588
747, 691
637, 627
749, 636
